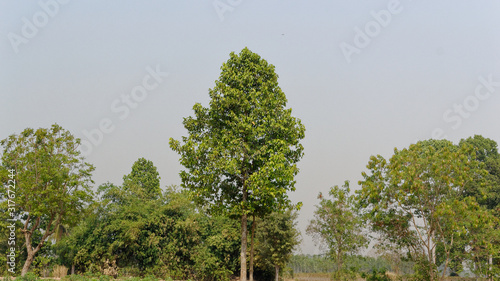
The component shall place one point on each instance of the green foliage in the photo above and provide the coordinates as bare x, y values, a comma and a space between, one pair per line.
337, 226
437, 201
277, 237
29, 276
144, 176
164, 237
8, 278
324, 264
52, 182
241, 152
483, 237
413, 200
245, 142
311, 264
75, 277
424, 270
217, 257
42, 265
376, 275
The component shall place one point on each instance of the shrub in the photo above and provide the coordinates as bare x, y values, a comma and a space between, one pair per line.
30, 276
377, 275
76, 277
110, 269
59, 271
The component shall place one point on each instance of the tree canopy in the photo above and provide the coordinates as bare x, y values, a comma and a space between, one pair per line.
145, 176
414, 199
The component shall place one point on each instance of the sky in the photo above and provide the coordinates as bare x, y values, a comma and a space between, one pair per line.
364, 77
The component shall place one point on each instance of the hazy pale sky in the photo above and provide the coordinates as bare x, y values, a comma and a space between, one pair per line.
363, 76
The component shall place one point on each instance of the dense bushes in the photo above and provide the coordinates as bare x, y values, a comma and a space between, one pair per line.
165, 237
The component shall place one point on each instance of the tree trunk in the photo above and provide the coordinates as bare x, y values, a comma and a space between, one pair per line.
27, 263
72, 269
490, 263
475, 268
277, 273
432, 258
30, 251
340, 265
252, 247
243, 252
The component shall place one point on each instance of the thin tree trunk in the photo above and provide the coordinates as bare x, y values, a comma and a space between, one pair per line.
243, 252
27, 263
475, 268
244, 232
277, 273
252, 247
490, 263
27, 235
340, 265
31, 252
433, 255
72, 269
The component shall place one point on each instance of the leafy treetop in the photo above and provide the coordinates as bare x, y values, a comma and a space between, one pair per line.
145, 176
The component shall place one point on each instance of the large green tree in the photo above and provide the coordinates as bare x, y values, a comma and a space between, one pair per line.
241, 151
337, 226
52, 182
413, 200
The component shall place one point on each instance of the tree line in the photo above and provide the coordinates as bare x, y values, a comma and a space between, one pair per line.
434, 203
136, 229
240, 158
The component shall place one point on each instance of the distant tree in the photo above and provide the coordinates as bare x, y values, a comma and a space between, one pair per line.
241, 152
413, 200
337, 226
483, 239
484, 188
52, 182
145, 176
277, 237
323, 263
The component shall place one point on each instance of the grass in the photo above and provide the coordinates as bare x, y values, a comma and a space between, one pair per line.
317, 277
